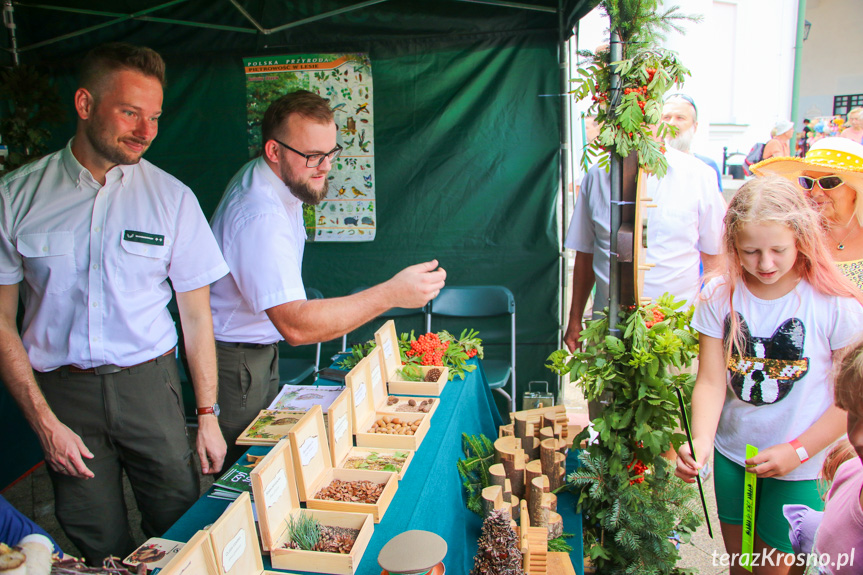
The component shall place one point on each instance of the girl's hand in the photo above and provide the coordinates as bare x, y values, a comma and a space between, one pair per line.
687, 466
774, 461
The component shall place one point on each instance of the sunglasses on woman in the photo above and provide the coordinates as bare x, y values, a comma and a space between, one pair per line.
824, 182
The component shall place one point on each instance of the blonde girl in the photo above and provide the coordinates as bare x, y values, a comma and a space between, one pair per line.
768, 329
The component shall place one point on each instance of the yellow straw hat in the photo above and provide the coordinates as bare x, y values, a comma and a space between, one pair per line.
839, 156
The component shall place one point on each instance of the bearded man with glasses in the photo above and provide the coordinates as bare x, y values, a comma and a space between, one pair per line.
259, 226
831, 175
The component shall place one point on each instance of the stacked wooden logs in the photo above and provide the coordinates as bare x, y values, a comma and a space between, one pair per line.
529, 465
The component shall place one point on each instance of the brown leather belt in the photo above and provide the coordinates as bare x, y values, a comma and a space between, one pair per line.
110, 368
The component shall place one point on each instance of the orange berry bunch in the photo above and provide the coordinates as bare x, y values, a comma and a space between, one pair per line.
600, 97
428, 348
471, 353
637, 469
658, 316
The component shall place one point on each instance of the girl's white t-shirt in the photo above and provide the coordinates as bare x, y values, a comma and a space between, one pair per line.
783, 383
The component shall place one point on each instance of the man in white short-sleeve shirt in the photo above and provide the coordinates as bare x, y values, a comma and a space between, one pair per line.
259, 226
93, 233
684, 230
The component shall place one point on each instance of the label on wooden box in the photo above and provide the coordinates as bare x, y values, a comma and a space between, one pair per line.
341, 427
234, 550
359, 393
276, 488
308, 450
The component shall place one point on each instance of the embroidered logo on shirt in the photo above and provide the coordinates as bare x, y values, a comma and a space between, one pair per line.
144, 238
771, 365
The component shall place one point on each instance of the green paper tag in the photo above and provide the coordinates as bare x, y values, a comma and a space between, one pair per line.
144, 238
749, 485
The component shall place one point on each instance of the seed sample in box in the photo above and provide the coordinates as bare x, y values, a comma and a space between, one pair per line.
388, 343
315, 473
382, 402
346, 456
304, 539
400, 404
383, 429
377, 461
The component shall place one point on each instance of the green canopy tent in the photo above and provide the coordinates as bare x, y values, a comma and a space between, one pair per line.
470, 129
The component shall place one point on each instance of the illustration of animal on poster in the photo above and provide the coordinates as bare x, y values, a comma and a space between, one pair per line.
348, 212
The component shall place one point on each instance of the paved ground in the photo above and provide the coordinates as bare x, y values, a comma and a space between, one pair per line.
700, 553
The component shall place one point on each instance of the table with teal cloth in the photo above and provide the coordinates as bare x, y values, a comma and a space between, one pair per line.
430, 496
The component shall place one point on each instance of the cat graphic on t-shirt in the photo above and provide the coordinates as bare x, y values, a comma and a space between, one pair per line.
769, 367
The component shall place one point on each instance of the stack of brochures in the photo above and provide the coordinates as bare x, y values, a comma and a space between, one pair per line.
236, 480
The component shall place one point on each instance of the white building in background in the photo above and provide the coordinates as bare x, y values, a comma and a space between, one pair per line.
741, 56
832, 63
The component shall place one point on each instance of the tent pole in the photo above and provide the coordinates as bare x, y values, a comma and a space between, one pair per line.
248, 16
514, 5
616, 193
563, 61
322, 16
143, 18
100, 26
9, 22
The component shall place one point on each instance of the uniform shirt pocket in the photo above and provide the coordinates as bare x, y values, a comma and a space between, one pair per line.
140, 266
49, 260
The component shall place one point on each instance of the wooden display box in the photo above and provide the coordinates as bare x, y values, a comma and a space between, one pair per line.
235, 541
365, 414
388, 342
341, 437
276, 499
196, 557
314, 470
376, 373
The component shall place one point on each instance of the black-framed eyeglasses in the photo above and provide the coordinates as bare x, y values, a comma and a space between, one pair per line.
314, 160
824, 182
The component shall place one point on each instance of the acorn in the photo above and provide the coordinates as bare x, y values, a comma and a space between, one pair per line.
433, 374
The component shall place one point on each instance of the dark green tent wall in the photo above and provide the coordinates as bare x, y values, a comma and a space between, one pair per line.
467, 117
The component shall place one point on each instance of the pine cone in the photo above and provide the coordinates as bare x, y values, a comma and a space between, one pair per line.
433, 374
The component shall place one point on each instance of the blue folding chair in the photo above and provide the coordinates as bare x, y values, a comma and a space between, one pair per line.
482, 301
293, 370
392, 313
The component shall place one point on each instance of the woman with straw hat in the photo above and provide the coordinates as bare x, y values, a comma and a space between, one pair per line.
831, 175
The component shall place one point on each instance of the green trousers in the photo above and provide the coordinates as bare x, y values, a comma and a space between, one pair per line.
131, 421
248, 383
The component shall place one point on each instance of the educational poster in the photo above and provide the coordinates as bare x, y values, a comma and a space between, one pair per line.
348, 213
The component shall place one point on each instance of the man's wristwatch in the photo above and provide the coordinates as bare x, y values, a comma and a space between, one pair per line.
206, 410
801, 451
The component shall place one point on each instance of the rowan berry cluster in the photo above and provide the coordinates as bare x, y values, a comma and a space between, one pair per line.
428, 348
600, 97
658, 316
637, 469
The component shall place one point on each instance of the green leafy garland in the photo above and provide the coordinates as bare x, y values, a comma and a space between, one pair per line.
630, 498
647, 71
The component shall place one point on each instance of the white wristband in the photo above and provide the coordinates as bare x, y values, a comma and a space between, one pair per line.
801, 451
